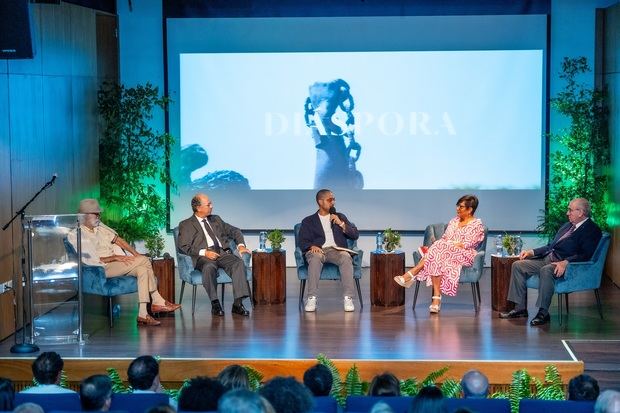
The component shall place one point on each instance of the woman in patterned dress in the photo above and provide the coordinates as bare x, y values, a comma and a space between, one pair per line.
441, 264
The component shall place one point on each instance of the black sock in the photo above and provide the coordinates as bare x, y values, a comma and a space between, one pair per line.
238, 301
215, 302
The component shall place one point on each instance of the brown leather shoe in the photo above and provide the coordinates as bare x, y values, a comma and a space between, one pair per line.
147, 321
168, 307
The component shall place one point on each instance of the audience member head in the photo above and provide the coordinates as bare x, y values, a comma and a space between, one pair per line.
463, 410
7, 394
319, 380
267, 407
385, 384
287, 395
47, 367
475, 385
608, 402
143, 373
28, 408
240, 401
96, 393
381, 407
201, 394
162, 408
582, 388
428, 400
234, 377
470, 201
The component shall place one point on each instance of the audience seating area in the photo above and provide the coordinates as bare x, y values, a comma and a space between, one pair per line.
139, 403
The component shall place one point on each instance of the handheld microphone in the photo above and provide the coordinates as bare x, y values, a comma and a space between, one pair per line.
332, 210
54, 177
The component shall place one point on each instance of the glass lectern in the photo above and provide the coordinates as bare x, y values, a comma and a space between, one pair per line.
55, 275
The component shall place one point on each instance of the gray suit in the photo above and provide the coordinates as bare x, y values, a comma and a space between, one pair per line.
192, 239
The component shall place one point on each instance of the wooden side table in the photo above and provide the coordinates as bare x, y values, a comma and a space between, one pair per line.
500, 282
269, 277
164, 272
383, 268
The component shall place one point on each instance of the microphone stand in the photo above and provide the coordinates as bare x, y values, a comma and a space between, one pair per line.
24, 347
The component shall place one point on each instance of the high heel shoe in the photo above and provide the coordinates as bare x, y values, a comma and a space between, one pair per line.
434, 308
400, 280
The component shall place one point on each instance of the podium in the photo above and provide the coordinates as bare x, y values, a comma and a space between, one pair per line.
53, 281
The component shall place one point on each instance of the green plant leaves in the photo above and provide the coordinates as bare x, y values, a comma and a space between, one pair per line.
132, 159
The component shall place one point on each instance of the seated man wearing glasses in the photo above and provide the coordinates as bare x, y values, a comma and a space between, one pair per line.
98, 241
575, 241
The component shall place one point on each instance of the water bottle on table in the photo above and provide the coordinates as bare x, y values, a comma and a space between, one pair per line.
262, 241
499, 245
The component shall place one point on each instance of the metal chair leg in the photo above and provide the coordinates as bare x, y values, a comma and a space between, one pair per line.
566, 301
110, 312
473, 293
560, 308
302, 287
598, 302
415, 295
223, 288
478, 290
359, 292
193, 299
182, 289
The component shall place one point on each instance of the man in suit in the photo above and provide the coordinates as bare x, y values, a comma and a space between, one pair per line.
319, 235
575, 241
206, 239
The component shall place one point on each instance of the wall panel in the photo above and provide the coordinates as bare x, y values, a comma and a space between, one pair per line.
6, 262
48, 124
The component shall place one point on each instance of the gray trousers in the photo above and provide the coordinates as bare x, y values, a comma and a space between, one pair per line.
233, 266
315, 264
521, 271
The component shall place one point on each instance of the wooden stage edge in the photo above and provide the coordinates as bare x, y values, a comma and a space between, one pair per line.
174, 371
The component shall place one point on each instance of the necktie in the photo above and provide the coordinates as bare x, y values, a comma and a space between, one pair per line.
554, 256
567, 233
216, 244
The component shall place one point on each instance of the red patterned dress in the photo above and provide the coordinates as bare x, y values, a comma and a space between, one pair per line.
445, 259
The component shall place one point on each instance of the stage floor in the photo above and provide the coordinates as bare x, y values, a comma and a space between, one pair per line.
374, 333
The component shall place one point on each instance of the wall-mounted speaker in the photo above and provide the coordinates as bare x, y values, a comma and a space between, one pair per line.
15, 36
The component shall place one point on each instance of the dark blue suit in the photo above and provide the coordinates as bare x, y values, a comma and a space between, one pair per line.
311, 233
578, 246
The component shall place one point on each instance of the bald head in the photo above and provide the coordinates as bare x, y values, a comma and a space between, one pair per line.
201, 205
475, 384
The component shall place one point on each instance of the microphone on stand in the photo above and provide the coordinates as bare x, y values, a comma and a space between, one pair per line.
54, 177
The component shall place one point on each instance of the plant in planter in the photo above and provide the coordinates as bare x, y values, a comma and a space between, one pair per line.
524, 386
512, 244
154, 245
391, 239
581, 168
132, 160
276, 238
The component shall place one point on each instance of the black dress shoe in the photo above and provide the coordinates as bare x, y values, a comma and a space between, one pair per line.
514, 314
240, 309
540, 319
216, 309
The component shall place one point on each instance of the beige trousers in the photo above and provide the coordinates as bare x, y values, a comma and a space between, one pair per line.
140, 268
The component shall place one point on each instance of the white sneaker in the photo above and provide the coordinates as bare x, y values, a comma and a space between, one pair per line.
348, 304
311, 304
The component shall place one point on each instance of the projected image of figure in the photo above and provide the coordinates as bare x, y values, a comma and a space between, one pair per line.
329, 115
194, 157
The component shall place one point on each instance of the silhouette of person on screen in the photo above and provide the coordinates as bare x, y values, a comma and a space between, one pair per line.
329, 115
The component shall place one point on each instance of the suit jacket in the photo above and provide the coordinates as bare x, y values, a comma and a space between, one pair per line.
311, 232
192, 238
577, 247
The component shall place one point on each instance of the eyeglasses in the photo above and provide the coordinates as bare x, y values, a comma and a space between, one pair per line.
329, 199
574, 209
462, 206
97, 214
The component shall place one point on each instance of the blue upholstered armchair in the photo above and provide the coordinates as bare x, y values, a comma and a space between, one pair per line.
330, 271
580, 276
469, 275
95, 282
188, 274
